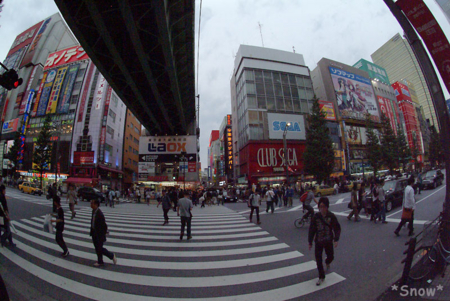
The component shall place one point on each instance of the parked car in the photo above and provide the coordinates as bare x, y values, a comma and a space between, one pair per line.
394, 191
432, 178
30, 188
89, 193
324, 190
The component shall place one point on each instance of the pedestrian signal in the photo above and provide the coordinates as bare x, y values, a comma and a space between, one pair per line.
10, 80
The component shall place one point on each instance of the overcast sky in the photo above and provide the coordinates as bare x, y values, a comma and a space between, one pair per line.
341, 30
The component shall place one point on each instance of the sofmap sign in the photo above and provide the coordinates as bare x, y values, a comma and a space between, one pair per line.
167, 145
278, 123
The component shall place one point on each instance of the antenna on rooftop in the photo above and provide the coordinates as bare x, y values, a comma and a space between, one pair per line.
260, 31
293, 48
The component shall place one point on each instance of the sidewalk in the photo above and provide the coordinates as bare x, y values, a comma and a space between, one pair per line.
434, 287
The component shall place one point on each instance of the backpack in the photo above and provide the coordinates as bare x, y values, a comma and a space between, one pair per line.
303, 197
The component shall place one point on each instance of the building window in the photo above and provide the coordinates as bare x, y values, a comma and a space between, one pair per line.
74, 99
110, 130
136, 141
77, 85
112, 115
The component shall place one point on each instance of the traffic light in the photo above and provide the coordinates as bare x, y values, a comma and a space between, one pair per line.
10, 80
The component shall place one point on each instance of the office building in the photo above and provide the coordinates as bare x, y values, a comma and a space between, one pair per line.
131, 150
269, 89
399, 61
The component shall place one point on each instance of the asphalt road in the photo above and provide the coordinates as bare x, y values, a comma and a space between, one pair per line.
227, 259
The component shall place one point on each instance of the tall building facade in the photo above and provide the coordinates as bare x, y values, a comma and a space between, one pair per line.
398, 59
214, 154
131, 150
226, 156
269, 89
28, 55
350, 93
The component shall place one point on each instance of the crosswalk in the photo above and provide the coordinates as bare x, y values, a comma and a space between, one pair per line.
35, 199
227, 259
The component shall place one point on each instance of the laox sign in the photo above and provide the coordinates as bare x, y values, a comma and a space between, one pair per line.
167, 147
268, 157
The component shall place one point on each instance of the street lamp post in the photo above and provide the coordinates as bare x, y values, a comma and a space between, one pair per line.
184, 159
285, 152
57, 127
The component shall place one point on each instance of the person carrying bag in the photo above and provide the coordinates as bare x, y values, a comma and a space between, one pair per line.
409, 205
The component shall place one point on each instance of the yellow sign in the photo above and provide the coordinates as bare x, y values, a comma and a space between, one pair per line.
54, 95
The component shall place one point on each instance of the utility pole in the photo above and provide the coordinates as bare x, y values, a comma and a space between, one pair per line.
260, 31
286, 161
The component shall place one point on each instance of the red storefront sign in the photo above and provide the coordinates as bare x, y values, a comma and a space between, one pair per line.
80, 158
192, 166
386, 108
428, 28
260, 159
65, 56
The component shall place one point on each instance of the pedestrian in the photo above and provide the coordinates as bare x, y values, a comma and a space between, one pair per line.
60, 226
336, 188
362, 199
255, 202
147, 197
4, 216
419, 182
409, 205
375, 205
184, 209
270, 197
111, 196
354, 203
324, 230
138, 195
382, 201
166, 205
71, 198
225, 196
99, 228
290, 195
307, 204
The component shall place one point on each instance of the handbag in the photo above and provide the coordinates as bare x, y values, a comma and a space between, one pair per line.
407, 213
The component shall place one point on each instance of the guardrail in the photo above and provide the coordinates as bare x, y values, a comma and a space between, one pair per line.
428, 237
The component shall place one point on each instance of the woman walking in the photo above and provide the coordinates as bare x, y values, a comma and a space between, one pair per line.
71, 198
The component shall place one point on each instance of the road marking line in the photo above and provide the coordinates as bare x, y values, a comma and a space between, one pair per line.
295, 208
284, 293
175, 244
339, 201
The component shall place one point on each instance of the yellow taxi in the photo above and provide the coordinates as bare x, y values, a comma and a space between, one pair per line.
324, 190
30, 188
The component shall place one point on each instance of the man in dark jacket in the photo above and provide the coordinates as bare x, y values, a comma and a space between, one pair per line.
60, 226
166, 205
98, 233
324, 230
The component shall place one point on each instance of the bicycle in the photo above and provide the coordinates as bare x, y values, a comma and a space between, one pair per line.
429, 252
301, 221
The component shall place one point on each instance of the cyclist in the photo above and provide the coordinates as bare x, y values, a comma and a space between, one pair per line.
307, 204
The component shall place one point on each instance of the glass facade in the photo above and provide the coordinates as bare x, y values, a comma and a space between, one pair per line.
261, 91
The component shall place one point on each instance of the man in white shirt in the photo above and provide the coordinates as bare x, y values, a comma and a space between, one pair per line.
409, 205
270, 197
255, 202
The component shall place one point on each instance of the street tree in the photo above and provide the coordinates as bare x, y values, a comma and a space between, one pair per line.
435, 153
374, 153
43, 148
388, 143
319, 155
403, 150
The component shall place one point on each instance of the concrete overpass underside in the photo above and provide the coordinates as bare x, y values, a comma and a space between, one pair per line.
145, 50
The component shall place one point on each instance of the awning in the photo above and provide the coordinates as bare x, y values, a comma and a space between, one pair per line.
110, 169
80, 180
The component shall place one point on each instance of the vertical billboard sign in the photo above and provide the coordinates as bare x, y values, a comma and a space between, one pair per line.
42, 106
38, 95
228, 151
104, 117
328, 108
386, 108
25, 99
53, 101
85, 92
100, 91
64, 102
428, 28
354, 95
